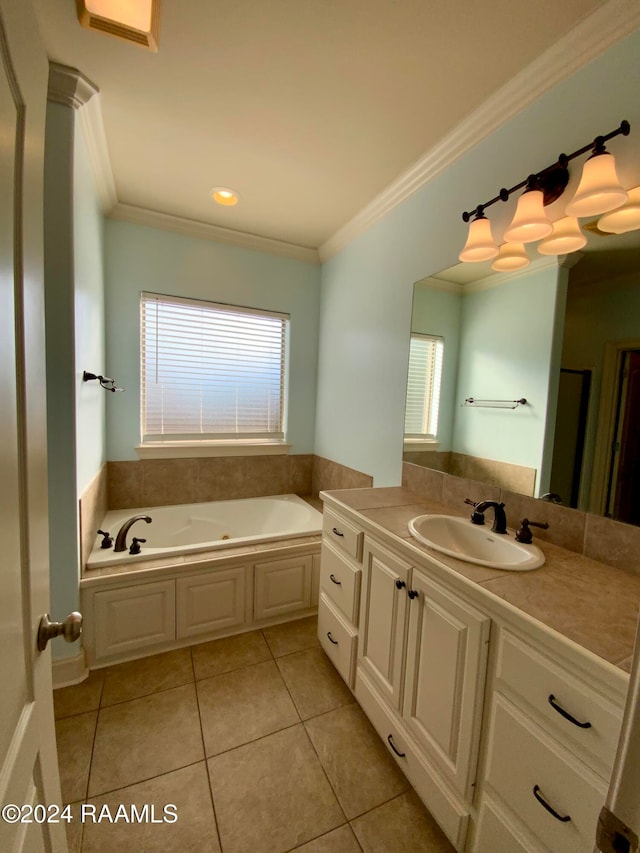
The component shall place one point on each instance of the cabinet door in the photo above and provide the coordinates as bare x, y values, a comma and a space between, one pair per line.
210, 602
282, 586
383, 604
446, 668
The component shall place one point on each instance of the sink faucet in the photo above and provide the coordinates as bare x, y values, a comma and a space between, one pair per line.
121, 538
499, 520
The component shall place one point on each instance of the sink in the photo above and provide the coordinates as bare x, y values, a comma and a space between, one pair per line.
474, 543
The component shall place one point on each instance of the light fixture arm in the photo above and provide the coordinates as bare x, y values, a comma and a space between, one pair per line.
553, 179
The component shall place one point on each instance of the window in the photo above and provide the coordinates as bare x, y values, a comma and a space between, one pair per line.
423, 387
211, 372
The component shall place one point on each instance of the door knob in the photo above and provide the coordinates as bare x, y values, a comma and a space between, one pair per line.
70, 629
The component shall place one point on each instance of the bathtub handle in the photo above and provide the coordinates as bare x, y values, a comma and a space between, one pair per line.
335, 642
336, 531
332, 578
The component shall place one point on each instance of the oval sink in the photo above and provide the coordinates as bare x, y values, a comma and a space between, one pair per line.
474, 543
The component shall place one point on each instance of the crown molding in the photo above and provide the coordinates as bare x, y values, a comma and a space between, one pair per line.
206, 231
497, 279
69, 87
590, 38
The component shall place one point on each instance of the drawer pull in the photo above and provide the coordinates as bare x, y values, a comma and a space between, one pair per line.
400, 584
536, 793
554, 704
336, 531
413, 593
331, 640
393, 747
332, 578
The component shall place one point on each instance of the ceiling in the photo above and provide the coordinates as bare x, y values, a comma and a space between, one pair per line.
309, 109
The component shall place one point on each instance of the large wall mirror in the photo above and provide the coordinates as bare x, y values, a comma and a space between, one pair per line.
562, 334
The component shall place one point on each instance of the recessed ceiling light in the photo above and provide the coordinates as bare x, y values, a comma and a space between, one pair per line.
223, 195
134, 20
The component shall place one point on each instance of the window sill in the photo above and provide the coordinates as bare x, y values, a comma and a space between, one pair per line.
421, 444
182, 449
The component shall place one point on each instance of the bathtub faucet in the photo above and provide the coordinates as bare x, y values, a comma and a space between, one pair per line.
121, 538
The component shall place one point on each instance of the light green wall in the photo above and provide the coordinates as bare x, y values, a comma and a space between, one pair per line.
140, 258
367, 287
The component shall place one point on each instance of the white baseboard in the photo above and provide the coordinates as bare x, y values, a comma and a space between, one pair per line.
69, 671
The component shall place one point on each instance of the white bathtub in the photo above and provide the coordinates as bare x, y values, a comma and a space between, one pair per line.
192, 528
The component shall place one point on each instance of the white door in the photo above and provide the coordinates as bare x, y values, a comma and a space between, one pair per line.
28, 761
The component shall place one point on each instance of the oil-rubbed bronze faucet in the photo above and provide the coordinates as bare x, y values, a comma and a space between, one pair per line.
499, 520
121, 538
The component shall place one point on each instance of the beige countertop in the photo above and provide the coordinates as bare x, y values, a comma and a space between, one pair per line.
586, 601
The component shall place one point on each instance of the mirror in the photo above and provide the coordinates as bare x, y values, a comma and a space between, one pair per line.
564, 334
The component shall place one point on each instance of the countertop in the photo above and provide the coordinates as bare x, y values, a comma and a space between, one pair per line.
586, 601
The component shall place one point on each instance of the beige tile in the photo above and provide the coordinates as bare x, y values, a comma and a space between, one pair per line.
613, 542
424, 481
300, 469
268, 475
243, 705
74, 737
456, 489
80, 697
222, 478
124, 481
229, 653
396, 519
93, 506
566, 525
140, 677
292, 636
341, 840
313, 682
362, 773
272, 795
145, 737
169, 481
193, 832
389, 498
74, 829
402, 826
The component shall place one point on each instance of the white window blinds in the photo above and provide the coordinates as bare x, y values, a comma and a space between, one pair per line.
211, 372
423, 386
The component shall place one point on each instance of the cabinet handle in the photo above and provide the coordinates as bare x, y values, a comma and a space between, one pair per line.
335, 642
400, 584
336, 531
413, 593
393, 747
554, 704
332, 578
552, 811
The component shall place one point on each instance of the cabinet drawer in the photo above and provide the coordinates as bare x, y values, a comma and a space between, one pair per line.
343, 534
447, 809
524, 761
534, 678
340, 582
495, 834
338, 639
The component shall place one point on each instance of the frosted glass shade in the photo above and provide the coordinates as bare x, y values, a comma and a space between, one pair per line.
599, 189
530, 221
625, 218
480, 245
566, 237
512, 256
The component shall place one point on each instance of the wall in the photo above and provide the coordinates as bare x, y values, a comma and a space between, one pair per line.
141, 258
367, 288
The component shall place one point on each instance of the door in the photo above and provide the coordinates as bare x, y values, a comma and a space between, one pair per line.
625, 479
28, 762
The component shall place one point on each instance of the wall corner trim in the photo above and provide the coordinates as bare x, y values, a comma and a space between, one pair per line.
69, 87
68, 671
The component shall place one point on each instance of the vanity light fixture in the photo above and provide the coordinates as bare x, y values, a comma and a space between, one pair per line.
599, 191
225, 196
566, 237
512, 256
625, 218
133, 20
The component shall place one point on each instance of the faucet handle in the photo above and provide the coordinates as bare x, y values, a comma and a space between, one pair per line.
135, 545
476, 517
107, 540
523, 534
470, 502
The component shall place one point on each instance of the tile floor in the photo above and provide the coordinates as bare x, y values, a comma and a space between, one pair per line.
254, 738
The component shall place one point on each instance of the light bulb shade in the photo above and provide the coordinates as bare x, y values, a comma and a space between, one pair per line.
480, 245
512, 256
530, 221
566, 237
625, 218
599, 189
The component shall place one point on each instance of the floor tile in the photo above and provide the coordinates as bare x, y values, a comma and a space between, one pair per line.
292, 636
313, 682
80, 697
402, 825
146, 675
74, 829
229, 653
360, 770
243, 705
74, 736
341, 840
145, 737
272, 795
193, 832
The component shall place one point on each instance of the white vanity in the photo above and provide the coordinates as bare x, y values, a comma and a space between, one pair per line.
505, 726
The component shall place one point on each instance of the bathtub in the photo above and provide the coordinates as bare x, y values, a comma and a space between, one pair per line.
193, 528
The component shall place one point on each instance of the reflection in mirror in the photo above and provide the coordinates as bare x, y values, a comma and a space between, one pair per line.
565, 335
